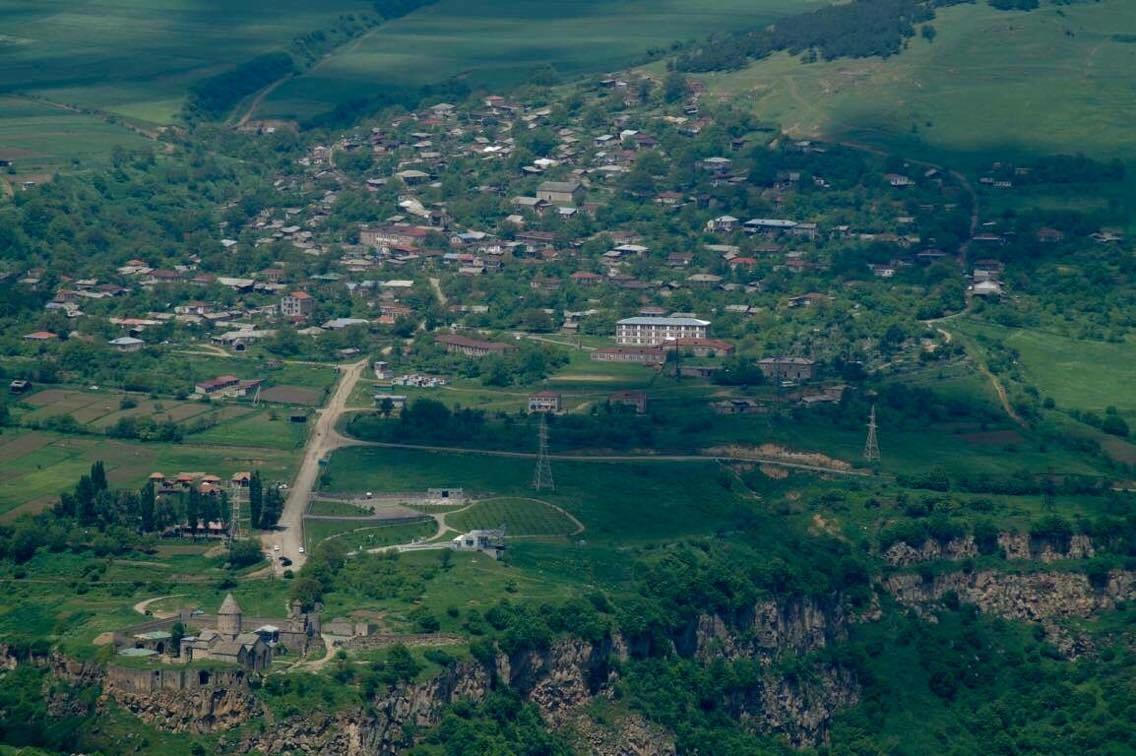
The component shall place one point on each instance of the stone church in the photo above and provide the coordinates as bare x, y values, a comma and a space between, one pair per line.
229, 642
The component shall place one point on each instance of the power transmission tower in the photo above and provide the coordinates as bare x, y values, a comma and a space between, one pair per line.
872, 444
542, 478
235, 515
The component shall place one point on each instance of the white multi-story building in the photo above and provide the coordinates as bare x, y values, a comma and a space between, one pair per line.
647, 331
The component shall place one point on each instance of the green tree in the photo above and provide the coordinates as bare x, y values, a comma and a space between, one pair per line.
674, 87
244, 552
308, 591
146, 508
256, 498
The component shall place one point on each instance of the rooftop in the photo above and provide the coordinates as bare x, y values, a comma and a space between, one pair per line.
652, 321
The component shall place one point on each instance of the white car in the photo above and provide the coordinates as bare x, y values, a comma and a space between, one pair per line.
301, 549
276, 547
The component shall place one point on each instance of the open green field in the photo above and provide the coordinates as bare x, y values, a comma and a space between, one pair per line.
491, 43
355, 535
227, 423
98, 410
315, 377
991, 84
137, 58
1078, 374
260, 428
614, 500
125, 63
36, 466
520, 517
42, 138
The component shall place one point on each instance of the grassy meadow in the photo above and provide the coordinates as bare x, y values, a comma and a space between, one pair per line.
97, 72
138, 58
1076, 373
991, 84
36, 466
42, 138
355, 535
499, 44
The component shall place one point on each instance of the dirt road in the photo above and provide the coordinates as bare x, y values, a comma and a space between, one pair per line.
436, 285
607, 457
322, 442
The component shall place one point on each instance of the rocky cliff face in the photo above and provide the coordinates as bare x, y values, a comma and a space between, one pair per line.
1014, 546
199, 710
379, 731
1021, 546
1031, 596
571, 673
767, 630
796, 709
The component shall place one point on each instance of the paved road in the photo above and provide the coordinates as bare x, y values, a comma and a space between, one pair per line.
323, 440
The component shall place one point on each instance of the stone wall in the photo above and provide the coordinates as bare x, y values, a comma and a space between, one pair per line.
145, 681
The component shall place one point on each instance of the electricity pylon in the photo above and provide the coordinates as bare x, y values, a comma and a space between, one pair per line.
872, 444
542, 477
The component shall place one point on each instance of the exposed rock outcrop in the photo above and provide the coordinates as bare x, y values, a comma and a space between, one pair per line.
379, 731
199, 710
799, 709
1029, 596
902, 554
768, 629
1014, 547
1018, 546
563, 678
628, 735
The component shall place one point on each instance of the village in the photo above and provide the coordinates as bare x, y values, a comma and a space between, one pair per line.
545, 244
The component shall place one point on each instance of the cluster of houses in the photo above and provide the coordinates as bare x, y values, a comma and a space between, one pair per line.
525, 228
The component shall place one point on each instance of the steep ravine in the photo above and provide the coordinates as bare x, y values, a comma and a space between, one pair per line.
571, 673
563, 678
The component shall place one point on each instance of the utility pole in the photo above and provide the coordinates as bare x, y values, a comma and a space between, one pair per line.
872, 444
542, 477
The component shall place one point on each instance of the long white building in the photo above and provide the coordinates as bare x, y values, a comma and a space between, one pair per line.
647, 331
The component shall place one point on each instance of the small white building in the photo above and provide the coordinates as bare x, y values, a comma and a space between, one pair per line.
491, 542
987, 289
127, 344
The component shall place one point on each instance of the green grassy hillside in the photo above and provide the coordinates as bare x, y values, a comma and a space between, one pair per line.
497, 43
137, 57
991, 83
